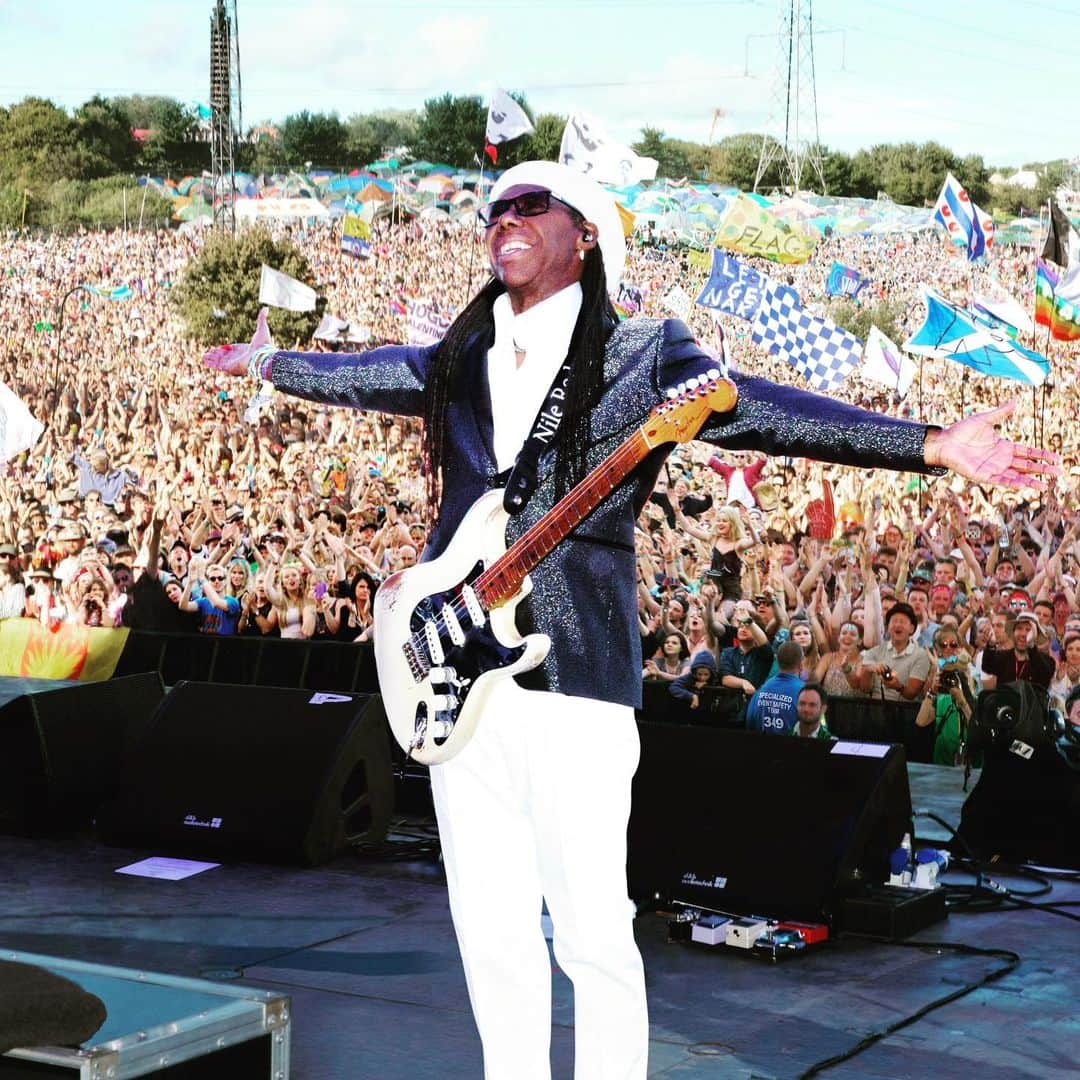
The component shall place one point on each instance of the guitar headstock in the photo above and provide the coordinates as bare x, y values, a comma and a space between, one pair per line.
688, 406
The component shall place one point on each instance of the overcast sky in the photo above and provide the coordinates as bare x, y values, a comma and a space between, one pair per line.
978, 78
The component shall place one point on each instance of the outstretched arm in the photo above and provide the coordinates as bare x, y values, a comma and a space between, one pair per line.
390, 379
780, 419
973, 448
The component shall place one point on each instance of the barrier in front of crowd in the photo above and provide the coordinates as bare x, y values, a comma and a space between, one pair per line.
346, 667
349, 667
858, 719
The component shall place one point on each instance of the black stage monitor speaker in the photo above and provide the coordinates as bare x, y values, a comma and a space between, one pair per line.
64, 746
1026, 805
258, 772
762, 824
1025, 808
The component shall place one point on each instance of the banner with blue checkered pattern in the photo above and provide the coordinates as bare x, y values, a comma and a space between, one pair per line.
822, 352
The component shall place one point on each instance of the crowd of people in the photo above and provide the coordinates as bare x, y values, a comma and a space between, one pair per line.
157, 499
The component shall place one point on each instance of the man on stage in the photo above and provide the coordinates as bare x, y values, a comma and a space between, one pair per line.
534, 808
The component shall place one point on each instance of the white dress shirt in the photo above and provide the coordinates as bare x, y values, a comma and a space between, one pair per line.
517, 392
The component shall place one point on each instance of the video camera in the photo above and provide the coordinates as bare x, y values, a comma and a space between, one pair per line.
1018, 716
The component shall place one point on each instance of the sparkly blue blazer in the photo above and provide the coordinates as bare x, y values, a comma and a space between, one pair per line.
585, 593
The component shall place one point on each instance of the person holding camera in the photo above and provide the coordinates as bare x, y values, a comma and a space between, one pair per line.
950, 698
93, 609
899, 666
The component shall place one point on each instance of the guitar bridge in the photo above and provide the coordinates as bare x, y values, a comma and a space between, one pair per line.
417, 666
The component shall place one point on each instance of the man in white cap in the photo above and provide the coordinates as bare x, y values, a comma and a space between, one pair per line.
534, 808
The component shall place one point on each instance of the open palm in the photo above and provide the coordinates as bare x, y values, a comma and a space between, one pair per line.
973, 448
233, 359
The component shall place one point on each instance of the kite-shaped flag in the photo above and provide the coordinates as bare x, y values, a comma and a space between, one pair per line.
963, 220
884, 362
951, 333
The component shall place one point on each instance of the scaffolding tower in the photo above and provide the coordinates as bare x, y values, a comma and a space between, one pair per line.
225, 116
798, 153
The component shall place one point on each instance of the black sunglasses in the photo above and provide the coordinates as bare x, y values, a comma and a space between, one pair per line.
530, 204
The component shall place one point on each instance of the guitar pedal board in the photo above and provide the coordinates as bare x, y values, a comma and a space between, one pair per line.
749, 935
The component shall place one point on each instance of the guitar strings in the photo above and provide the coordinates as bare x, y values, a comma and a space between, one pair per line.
600, 475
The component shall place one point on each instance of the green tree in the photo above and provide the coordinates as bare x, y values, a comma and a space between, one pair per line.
868, 171
103, 130
38, 144
837, 167
173, 143
695, 154
671, 161
974, 175
143, 111
451, 130
734, 161
372, 136
12, 203
1052, 175
886, 315
112, 201
364, 142
218, 298
544, 143
320, 138
262, 152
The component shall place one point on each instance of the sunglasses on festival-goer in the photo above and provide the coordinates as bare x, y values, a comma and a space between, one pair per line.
530, 204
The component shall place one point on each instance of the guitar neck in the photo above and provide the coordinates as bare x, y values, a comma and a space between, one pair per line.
502, 579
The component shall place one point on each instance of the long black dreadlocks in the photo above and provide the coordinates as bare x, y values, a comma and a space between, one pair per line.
594, 324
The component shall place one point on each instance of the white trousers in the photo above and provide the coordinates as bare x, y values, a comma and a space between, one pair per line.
534, 808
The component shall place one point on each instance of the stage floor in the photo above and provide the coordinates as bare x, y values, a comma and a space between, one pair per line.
366, 950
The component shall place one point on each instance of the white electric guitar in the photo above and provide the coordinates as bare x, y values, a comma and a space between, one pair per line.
445, 629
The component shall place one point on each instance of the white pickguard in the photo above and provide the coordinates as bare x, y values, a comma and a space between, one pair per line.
481, 537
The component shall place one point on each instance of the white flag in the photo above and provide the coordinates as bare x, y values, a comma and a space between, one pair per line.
330, 328
280, 290
677, 300
1067, 290
885, 363
1008, 310
506, 119
19, 430
587, 148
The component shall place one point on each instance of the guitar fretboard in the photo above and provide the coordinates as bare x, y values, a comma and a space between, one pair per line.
502, 579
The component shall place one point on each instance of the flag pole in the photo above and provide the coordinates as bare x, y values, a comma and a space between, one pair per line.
479, 159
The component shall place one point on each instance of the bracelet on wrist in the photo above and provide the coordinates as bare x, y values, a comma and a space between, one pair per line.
258, 365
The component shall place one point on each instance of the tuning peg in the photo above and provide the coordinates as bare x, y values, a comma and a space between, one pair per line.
672, 392
682, 388
714, 373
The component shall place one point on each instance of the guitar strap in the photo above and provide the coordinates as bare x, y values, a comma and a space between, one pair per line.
522, 482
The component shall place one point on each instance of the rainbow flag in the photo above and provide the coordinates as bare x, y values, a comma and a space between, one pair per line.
1061, 316
1065, 322
1045, 282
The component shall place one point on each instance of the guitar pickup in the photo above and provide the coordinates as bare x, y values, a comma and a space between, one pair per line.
435, 649
472, 605
453, 627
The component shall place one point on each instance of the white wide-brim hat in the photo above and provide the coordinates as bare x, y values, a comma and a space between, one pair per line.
586, 196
